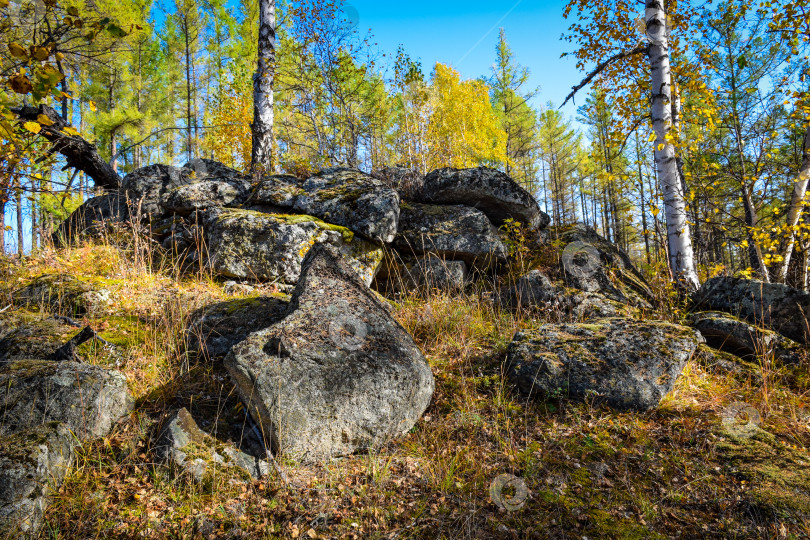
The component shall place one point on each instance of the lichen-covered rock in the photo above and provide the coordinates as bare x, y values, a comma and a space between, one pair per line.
452, 232
400, 273
345, 197
203, 194
38, 337
56, 293
87, 399
33, 462
93, 218
490, 191
215, 329
254, 245
626, 363
535, 292
593, 264
728, 333
198, 454
773, 305
147, 187
338, 374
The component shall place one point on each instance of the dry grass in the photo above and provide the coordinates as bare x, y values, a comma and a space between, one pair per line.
590, 471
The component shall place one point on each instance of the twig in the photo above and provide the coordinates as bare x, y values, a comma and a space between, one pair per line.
618, 56
5, 308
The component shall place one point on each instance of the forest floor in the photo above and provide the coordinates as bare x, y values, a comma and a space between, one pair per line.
682, 470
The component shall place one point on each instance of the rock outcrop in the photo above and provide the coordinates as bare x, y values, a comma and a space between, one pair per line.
773, 305
490, 191
338, 374
457, 233
626, 363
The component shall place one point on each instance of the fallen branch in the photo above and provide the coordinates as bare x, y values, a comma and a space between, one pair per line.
641, 48
78, 153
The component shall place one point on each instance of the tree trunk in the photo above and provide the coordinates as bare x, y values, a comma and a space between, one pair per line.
262, 128
796, 206
18, 198
679, 239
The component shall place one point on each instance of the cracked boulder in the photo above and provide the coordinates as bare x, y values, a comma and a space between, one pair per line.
338, 374
625, 363
198, 454
94, 217
245, 244
492, 192
459, 233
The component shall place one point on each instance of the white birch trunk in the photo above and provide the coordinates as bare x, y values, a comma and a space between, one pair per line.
796, 206
262, 127
679, 238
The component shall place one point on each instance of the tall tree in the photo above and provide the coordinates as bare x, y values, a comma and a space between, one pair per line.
262, 127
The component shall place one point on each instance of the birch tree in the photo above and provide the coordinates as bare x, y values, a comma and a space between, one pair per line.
262, 127
607, 27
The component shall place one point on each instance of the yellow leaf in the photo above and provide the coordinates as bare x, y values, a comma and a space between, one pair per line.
33, 127
3, 4
92, 106
17, 51
652, 137
71, 131
660, 147
44, 120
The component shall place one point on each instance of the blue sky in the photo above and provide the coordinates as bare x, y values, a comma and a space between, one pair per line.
463, 34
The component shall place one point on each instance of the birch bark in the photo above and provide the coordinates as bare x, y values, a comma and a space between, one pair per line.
796, 206
679, 237
262, 127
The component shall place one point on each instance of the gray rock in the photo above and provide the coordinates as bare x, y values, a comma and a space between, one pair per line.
279, 190
196, 453
593, 264
253, 245
489, 190
203, 194
627, 363
33, 462
215, 329
338, 374
208, 169
37, 337
409, 183
451, 232
345, 197
147, 187
95, 217
87, 399
56, 293
772, 305
730, 334
433, 272
535, 292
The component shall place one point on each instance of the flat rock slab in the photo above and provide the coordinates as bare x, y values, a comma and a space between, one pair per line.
772, 305
87, 399
216, 328
730, 334
488, 190
63, 294
199, 455
33, 462
338, 374
457, 233
626, 363
36, 337
253, 245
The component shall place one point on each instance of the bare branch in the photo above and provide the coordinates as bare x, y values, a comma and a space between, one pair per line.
642, 48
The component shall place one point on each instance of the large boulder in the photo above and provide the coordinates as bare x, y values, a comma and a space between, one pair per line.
535, 292
345, 197
338, 374
488, 190
199, 455
457, 233
216, 328
626, 363
772, 305
147, 187
36, 337
271, 247
203, 194
33, 463
87, 399
593, 264
730, 334
400, 273
93, 218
